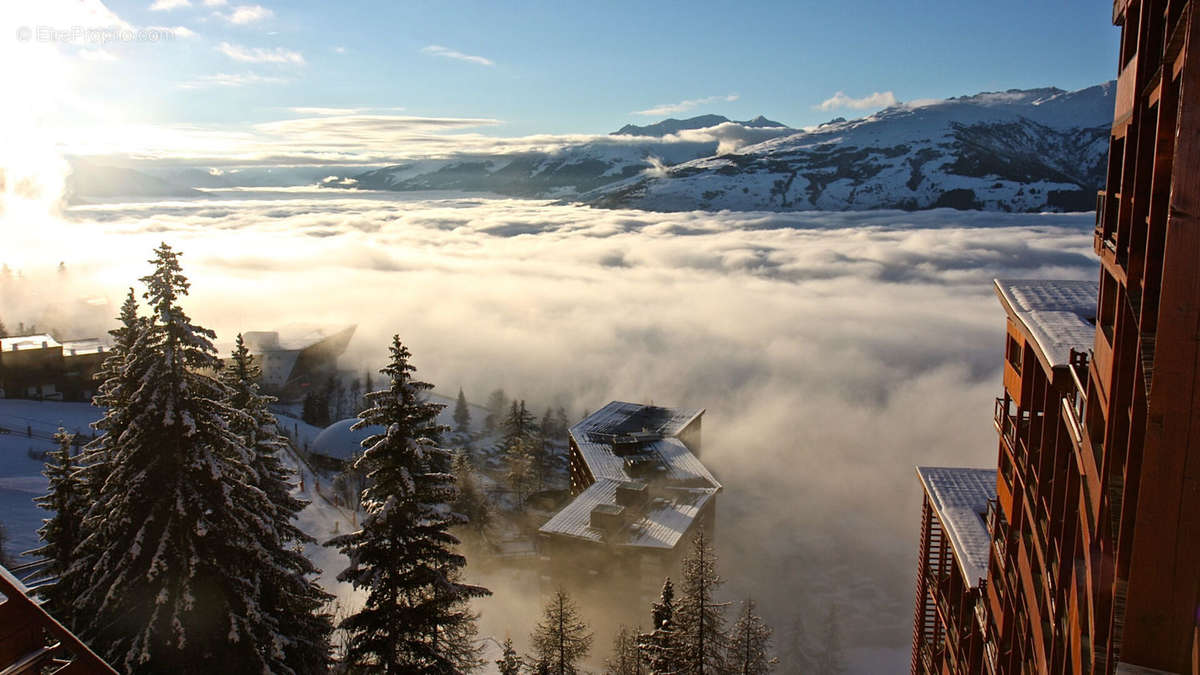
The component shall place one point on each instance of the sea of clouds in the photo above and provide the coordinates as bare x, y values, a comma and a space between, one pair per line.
832, 351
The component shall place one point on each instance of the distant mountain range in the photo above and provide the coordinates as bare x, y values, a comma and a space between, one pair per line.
1018, 150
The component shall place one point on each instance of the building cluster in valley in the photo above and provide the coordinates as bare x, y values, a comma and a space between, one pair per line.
43, 367
1080, 552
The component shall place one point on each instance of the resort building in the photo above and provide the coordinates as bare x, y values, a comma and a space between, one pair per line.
1093, 555
298, 361
639, 493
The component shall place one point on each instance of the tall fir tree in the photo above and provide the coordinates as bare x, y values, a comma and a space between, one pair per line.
658, 647
829, 657
60, 534
700, 620
290, 595
561, 640
462, 414
416, 618
179, 541
497, 405
626, 658
509, 663
797, 653
750, 643
117, 384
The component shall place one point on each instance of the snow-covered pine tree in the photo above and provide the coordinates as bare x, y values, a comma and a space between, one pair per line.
290, 595
522, 469
561, 423
625, 659
561, 640
60, 534
797, 651
117, 383
509, 663
829, 658
658, 646
178, 529
416, 618
699, 619
750, 644
462, 414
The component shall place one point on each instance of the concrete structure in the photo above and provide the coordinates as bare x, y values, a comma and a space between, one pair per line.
1094, 556
640, 493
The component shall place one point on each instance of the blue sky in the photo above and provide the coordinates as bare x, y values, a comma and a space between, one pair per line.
551, 67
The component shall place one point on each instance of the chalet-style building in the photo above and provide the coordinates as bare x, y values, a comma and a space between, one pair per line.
639, 493
298, 361
1093, 556
32, 641
40, 367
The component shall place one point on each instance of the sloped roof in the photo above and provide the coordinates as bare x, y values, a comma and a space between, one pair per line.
679, 483
959, 496
1058, 315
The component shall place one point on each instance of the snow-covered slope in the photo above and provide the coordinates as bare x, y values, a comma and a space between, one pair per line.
1030, 150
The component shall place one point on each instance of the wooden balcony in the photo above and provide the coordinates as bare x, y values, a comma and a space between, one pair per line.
33, 643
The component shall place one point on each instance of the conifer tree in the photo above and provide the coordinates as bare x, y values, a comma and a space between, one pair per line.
471, 500
117, 384
60, 534
626, 659
416, 617
462, 414
561, 423
179, 543
497, 405
522, 469
509, 663
659, 645
700, 620
3, 330
798, 653
750, 644
561, 640
289, 593
829, 658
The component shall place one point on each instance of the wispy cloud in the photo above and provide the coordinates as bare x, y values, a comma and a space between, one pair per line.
229, 80
165, 5
314, 110
244, 14
214, 3
446, 52
175, 31
841, 100
260, 55
682, 106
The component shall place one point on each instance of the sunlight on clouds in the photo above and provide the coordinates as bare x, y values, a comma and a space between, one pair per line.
244, 14
841, 100
167, 5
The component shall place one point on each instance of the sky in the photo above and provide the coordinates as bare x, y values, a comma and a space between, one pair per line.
216, 74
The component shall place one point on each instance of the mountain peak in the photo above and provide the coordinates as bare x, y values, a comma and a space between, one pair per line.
674, 126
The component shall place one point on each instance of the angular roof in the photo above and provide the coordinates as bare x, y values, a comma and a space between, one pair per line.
1058, 315
678, 484
43, 341
959, 496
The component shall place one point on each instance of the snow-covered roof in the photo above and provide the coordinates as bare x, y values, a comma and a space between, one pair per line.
43, 341
340, 442
83, 346
1058, 315
660, 523
650, 452
959, 496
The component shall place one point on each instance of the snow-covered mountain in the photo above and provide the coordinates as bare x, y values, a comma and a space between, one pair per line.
1019, 150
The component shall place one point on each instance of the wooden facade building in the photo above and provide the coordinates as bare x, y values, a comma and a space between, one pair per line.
1094, 557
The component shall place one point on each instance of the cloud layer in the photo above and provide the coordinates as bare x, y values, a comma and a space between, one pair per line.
832, 351
683, 106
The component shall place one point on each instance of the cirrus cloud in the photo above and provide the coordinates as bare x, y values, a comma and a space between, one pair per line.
260, 54
446, 52
682, 106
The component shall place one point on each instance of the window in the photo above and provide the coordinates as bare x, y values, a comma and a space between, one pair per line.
1013, 354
